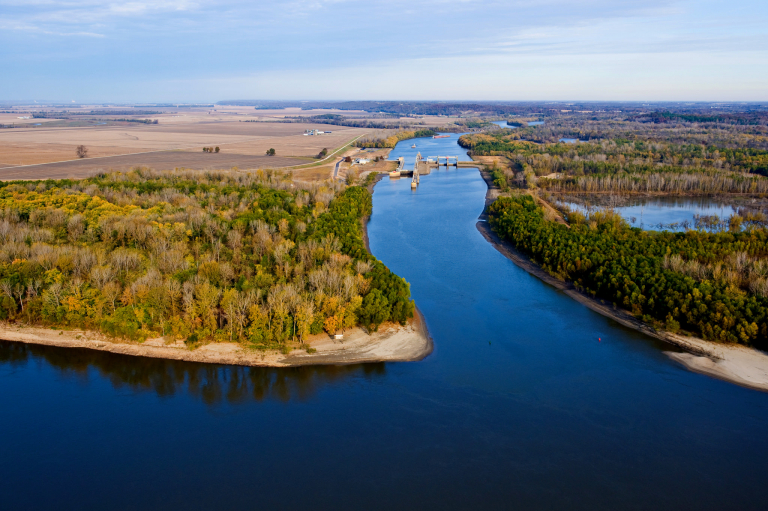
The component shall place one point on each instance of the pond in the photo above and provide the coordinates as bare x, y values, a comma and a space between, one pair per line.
504, 124
657, 213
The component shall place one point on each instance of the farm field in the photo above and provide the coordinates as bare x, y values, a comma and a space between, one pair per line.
177, 141
161, 160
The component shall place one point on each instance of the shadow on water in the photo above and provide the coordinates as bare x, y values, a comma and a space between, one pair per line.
212, 384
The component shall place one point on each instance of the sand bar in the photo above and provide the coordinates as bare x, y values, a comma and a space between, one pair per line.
392, 343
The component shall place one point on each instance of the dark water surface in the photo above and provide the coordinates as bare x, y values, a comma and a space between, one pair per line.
519, 406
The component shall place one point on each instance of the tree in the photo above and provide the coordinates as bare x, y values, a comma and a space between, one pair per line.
375, 310
217, 149
351, 176
81, 151
271, 151
322, 154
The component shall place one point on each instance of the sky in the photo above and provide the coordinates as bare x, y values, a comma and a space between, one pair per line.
206, 51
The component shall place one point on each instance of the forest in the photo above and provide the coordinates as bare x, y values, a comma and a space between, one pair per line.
388, 139
628, 156
710, 284
201, 256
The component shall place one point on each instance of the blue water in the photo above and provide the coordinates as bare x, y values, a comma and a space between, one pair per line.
667, 213
569, 140
535, 123
519, 407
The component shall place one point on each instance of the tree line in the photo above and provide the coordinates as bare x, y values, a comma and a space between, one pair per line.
388, 140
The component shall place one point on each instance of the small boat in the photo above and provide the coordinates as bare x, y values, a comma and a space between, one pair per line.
441, 136
413, 146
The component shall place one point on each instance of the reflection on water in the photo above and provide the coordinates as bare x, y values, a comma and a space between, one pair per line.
212, 384
655, 213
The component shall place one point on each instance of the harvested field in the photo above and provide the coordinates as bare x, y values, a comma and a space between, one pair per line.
30, 146
159, 160
31, 153
253, 129
141, 137
297, 145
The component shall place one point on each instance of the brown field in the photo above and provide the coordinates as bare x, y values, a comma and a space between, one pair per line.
49, 151
162, 160
314, 173
14, 119
14, 154
178, 138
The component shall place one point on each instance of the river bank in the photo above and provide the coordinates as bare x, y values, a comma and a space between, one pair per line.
736, 364
392, 343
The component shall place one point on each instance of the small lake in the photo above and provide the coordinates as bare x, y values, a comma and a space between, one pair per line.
662, 213
569, 140
520, 406
535, 123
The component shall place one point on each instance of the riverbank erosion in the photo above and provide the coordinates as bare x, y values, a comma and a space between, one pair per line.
733, 363
391, 343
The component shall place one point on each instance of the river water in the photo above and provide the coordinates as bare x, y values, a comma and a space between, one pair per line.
519, 407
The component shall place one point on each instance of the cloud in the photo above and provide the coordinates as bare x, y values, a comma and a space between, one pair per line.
190, 41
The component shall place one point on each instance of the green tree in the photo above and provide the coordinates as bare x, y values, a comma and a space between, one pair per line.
375, 310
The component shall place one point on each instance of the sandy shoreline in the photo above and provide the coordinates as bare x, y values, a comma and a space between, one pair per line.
736, 364
392, 343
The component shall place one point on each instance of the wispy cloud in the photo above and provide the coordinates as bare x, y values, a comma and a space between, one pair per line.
141, 41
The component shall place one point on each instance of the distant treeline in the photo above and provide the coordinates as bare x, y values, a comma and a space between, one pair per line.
340, 120
65, 114
752, 118
386, 140
508, 108
143, 121
393, 107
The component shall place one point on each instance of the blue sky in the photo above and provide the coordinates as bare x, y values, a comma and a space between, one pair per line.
185, 50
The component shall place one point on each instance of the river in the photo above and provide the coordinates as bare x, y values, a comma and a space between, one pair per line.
520, 406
